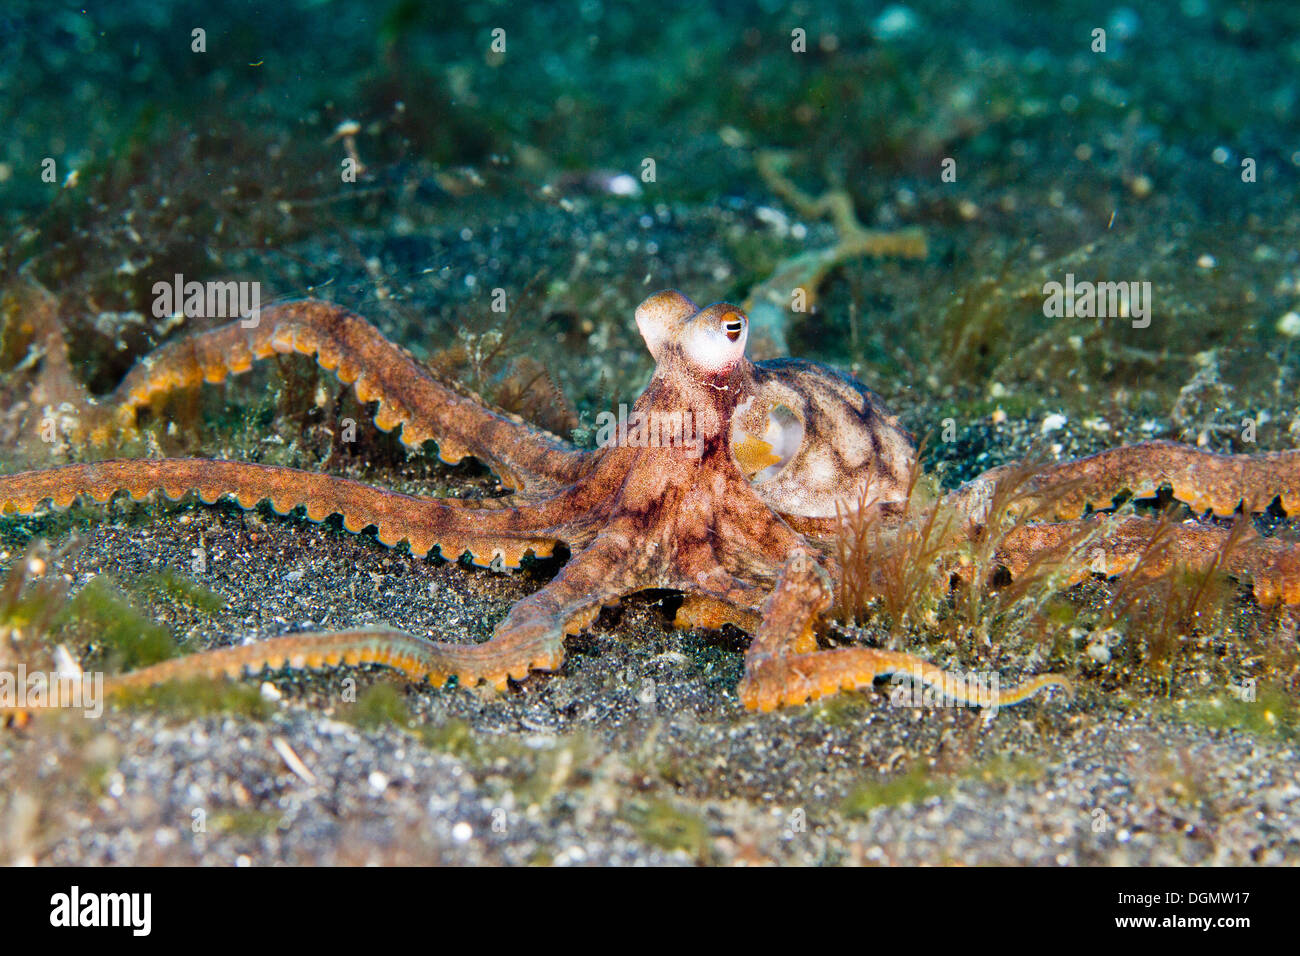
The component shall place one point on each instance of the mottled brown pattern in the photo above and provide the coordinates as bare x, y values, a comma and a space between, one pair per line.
741, 519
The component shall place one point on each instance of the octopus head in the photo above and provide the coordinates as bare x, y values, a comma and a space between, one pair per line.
809, 438
712, 340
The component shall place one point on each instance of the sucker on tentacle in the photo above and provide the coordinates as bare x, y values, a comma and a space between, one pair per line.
485, 528
408, 397
1203, 480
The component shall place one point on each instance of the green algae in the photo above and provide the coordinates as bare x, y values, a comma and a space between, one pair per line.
843, 709
182, 590
201, 697
244, 822
455, 737
377, 706
35, 606
1267, 710
922, 783
121, 635
914, 786
663, 824
384, 704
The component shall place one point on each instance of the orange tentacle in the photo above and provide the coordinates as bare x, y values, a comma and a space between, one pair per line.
488, 528
1204, 480
345, 343
784, 668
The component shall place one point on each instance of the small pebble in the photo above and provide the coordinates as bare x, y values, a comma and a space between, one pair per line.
1053, 422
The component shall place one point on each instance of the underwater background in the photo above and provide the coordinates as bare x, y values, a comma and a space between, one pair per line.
924, 170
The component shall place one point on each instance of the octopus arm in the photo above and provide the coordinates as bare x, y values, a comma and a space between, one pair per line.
407, 396
784, 667
1203, 480
495, 529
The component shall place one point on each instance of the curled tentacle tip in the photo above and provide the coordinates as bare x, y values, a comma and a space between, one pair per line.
1041, 684
1064, 683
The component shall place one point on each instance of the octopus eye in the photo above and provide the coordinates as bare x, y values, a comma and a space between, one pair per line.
733, 325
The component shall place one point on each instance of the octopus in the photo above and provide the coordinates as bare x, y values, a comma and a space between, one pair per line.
730, 484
